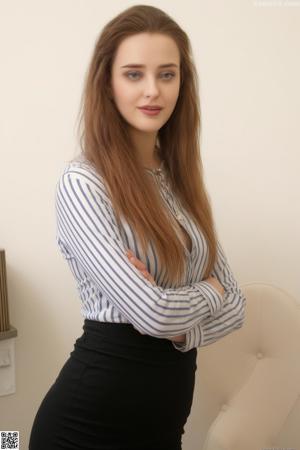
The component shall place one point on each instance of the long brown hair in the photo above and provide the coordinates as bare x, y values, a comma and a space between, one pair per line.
105, 141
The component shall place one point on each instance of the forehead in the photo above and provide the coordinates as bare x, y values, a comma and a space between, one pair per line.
147, 49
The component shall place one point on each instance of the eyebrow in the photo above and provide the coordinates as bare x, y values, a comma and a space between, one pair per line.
143, 65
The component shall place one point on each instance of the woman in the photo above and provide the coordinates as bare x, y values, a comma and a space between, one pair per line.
135, 225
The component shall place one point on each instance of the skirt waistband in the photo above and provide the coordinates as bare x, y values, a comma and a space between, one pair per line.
110, 329
122, 340
123, 333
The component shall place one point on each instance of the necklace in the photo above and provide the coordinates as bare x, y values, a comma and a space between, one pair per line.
157, 168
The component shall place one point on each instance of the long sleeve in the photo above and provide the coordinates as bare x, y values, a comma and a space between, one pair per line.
89, 233
230, 318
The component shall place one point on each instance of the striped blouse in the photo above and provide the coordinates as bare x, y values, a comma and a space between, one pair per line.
112, 289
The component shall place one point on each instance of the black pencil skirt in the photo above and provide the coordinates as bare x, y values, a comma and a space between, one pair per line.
118, 390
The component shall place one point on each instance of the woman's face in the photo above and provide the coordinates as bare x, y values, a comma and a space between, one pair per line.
148, 84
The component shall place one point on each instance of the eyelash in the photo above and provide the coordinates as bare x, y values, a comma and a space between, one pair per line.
135, 72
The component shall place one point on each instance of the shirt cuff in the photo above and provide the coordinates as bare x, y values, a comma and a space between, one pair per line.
192, 340
214, 298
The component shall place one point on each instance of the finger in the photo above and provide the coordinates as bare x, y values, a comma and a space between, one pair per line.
145, 273
151, 279
148, 276
139, 264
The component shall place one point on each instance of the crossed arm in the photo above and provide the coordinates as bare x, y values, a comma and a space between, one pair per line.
181, 338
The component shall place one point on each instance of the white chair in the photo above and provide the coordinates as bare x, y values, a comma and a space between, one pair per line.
248, 383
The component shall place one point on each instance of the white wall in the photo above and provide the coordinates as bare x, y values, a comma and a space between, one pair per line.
247, 54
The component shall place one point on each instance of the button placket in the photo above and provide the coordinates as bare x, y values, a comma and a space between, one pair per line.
166, 191
172, 203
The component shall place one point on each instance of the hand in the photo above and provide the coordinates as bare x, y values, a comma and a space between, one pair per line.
214, 282
179, 338
142, 268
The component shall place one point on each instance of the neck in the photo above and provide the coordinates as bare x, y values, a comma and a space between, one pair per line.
147, 151
154, 162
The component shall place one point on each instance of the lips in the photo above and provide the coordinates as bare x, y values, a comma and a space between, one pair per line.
151, 108
150, 112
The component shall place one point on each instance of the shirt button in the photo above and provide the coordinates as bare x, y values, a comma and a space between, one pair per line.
164, 296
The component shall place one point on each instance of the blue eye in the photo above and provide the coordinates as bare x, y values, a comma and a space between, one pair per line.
131, 73
170, 73
128, 74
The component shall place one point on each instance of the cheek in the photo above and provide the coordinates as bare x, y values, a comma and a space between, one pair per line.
124, 93
171, 93
176, 91
171, 98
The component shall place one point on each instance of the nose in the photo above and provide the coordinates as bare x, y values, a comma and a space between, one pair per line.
151, 87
